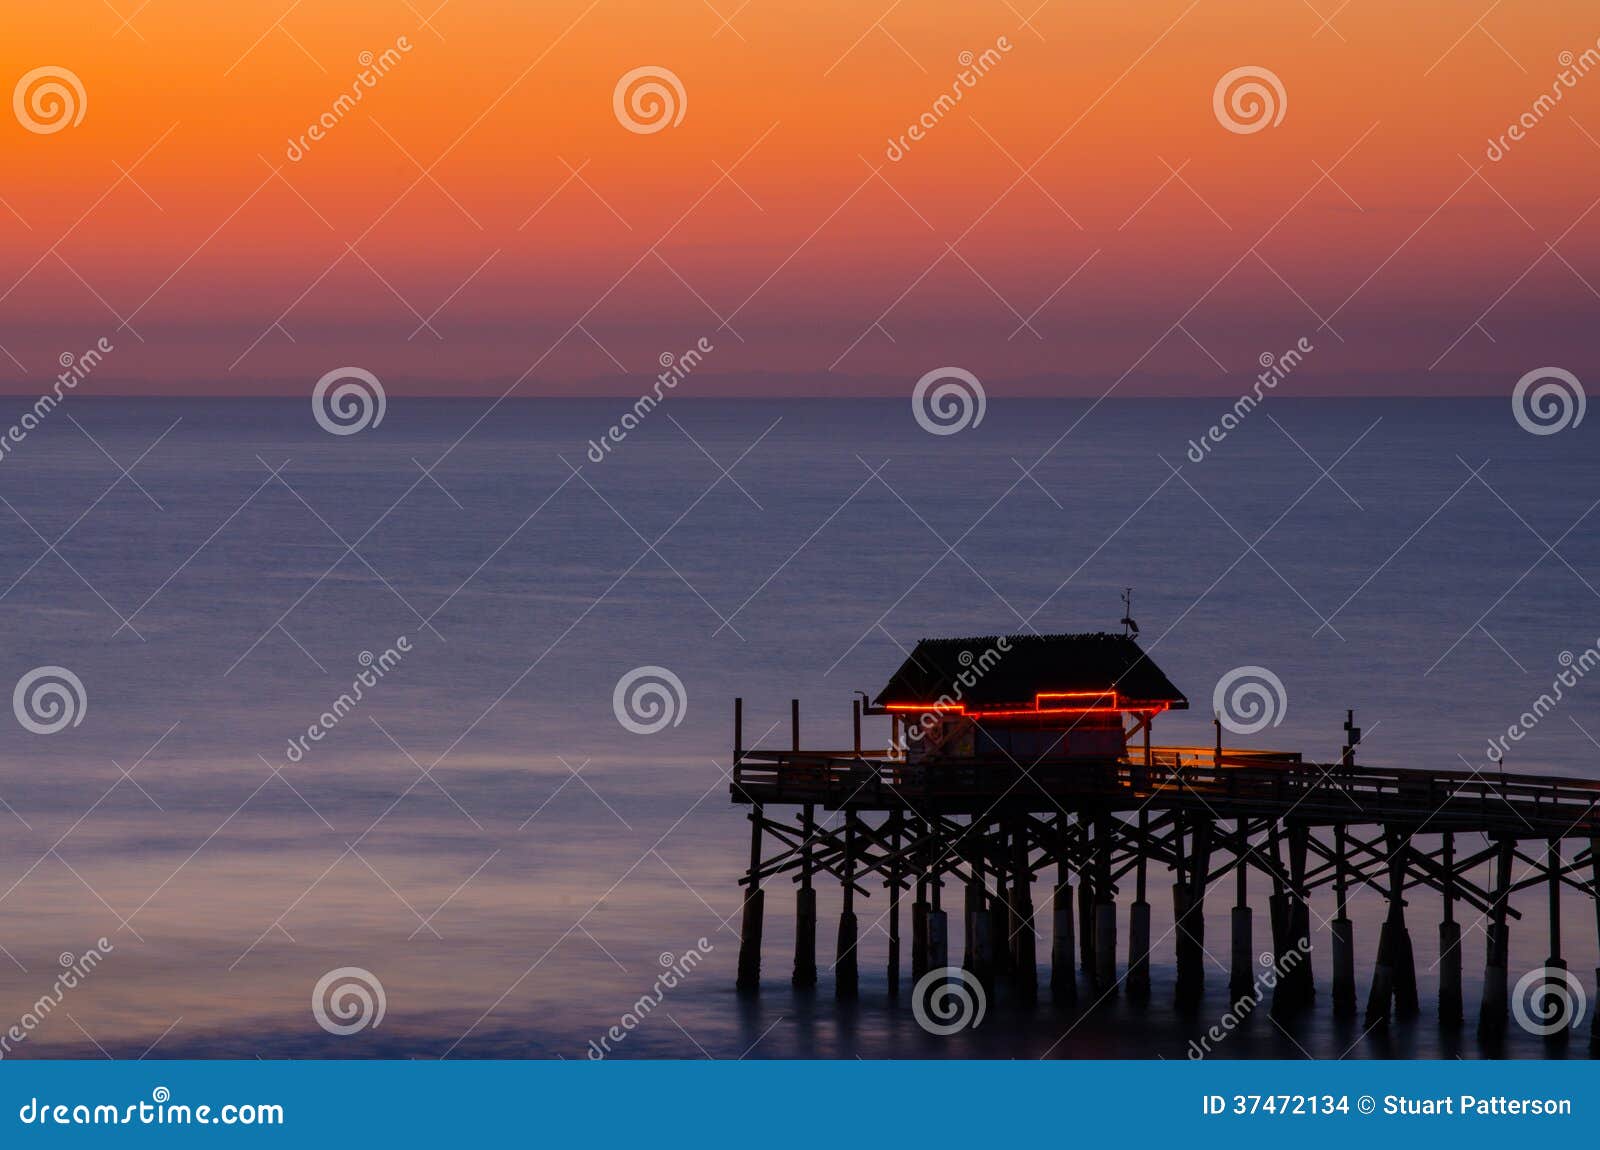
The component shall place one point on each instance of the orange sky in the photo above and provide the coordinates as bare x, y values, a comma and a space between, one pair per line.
564, 282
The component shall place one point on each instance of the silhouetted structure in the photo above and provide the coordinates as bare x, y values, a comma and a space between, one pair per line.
1009, 756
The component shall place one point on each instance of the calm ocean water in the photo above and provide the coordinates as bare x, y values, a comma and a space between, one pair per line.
484, 835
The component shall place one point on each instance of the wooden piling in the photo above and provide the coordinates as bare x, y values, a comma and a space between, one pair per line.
1407, 1003
938, 940
805, 914
1381, 994
749, 975
921, 860
1242, 957
895, 820
749, 978
1063, 980
1001, 929
1555, 965
1301, 976
1496, 987
938, 921
1394, 976
1024, 960
1343, 931
1138, 978
1186, 993
1277, 901
1285, 997
919, 938
805, 939
1086, 899
845, 968
976, 956
1450, 1009
1105, 911
1188, 899
1594, 886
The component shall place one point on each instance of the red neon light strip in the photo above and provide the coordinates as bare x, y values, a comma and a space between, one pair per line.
1037, 709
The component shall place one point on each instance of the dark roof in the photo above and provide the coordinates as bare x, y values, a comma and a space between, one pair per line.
1030, 664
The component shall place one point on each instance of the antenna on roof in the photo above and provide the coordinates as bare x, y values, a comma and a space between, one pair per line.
1130, 629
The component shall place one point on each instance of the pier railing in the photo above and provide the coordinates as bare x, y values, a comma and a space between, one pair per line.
1230, 782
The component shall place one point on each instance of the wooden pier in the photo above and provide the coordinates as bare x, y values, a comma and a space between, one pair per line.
1098, 830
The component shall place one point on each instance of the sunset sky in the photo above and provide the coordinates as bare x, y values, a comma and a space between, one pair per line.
1037, 235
